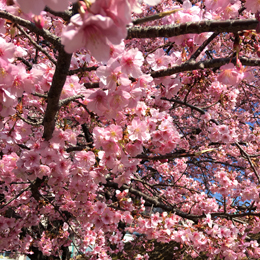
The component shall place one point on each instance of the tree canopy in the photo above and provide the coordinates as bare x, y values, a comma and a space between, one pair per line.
132, 117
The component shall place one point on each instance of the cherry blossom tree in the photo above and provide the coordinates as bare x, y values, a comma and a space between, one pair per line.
130, 117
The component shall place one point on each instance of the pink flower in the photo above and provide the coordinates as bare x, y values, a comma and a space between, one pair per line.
118, 10
43, 170
110, 147
119, 99
208, 220
223, 129
98, 102
100, 207
230, 75
85, 159
39, 21
135, 148
95, 33
114, 132
31, 159
231, 11
7, 50
138, 130
213, 4
252, 5
107, 216
131, 62
7, 102
36, 7
109, 75
128, 217
158, 60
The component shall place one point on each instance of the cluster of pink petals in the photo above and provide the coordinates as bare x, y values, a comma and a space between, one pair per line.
252, 5
222, 133
36, 7
93, 32
158, 60
230, 75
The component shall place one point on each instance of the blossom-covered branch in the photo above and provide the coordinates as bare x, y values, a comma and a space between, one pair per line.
192, 27
55, 40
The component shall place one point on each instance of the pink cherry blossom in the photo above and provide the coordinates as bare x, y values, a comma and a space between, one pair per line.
131, 62
36, 7
95, 32
230, 75
85, 159
138, 130
252, 5
7, 50
158, 60
98, 102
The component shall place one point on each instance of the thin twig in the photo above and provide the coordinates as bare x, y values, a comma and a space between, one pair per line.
90, 85
83, 69
69, 99
36, 45
29, 122
16, 197
47, 35
155, 16
196, 54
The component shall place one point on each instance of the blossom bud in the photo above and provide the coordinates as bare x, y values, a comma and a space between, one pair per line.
238, 64
82, 8
39, 21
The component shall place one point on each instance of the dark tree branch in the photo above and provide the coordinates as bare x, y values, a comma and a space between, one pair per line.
29, 122
40, 95
80, 70
192, 27
58, 81
91, 85
207, 64
196, 54
69, 99
87, 134
171, 156
66, 15
14, 198
153, 201
55, 40
76, 148
36, 45
186, 104
24, 61
155, 16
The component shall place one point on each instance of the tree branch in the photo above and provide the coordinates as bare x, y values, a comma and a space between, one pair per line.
80, 70
14, 198
66, 15
36, 45
24, 61
55, 40
207, 64
196, 54
153, 200
69, 99
58, 81
91, 85
192, 27
172, 155
242, 151
155, 16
